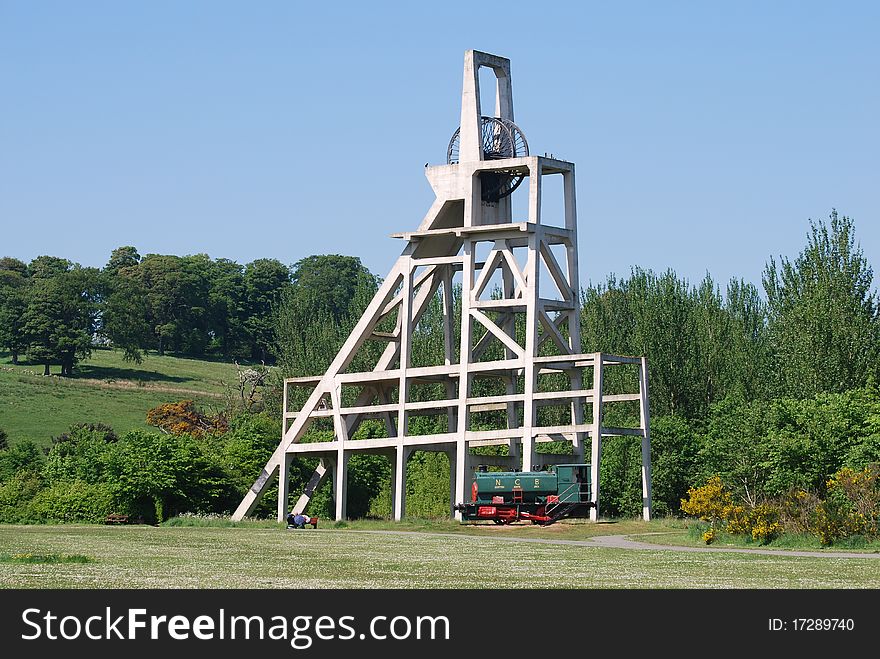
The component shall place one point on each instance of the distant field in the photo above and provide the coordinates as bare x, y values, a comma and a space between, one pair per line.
104, 389
155, 371
260, 557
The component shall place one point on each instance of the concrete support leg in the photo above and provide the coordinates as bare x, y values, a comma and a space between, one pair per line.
399, 481
340, 485
461, 465
392, 463
321, 471
646, 478
595, 463
283, 487
452, 493
598, 413
528, 450
645, 418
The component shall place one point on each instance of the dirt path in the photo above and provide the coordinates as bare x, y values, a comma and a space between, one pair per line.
624, 542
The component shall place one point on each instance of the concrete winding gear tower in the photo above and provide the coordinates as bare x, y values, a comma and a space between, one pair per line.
509, 295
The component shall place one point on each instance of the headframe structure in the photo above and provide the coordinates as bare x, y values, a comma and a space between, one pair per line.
532, 319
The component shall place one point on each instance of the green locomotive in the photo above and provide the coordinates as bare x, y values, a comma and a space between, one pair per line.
542, 497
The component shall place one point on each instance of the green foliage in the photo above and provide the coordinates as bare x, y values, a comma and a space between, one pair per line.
823, 320
14, 292
173, 473
701, 347
79, 455
675, 446
122, 257
851, 506
23, 456
74, 501
60, 318
317, 313
16, 494
90, 471
264, 281
765, 449
620, 493
125, 317
427, 485
245, 448
330, 282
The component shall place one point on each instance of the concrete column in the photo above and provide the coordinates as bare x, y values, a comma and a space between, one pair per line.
452, 489
646, 439
283, 486
464, 378
509, 327
574, 316
405, 320
469, 138
530, 372
596, 453
461, 481
340, 484
503, 92
324, 467
401, 455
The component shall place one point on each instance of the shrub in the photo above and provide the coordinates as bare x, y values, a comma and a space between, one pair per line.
15, 497
851, 506
22, 456
799, 511
713, 503
708, 502
764, 520
184, 418
74, 501
80, 454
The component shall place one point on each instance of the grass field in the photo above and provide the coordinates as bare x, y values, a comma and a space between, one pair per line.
104, 389
254, 556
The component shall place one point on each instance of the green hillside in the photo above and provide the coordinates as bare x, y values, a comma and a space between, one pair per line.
104, 389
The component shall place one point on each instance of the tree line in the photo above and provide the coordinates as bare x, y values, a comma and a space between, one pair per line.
54, 311
771, 389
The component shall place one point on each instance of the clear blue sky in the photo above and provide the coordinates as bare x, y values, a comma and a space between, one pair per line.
704, 134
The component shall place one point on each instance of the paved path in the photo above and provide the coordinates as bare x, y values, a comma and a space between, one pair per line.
624, 542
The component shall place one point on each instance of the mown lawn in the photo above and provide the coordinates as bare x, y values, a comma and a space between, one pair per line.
260, 557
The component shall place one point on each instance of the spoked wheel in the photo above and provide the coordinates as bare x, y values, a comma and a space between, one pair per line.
499, 139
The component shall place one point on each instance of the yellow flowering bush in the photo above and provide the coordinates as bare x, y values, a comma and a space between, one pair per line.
764, 521
710, 502
851, 506
707, 502
713, 503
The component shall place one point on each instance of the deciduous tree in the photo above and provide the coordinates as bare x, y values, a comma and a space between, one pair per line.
823, 320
